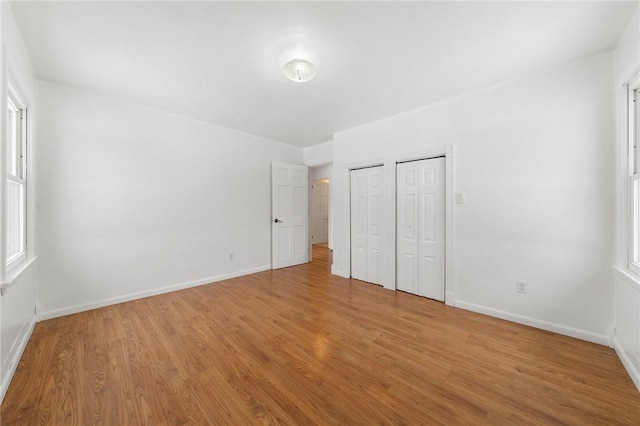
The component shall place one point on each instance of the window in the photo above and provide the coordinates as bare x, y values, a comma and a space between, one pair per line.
16, 219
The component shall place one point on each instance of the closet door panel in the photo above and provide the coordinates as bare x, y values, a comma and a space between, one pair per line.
374, 213
407, 227
420, 233
432, 232
359, 224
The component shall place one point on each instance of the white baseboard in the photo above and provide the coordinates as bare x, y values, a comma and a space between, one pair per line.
11, 363
626, 362
601, 339
55, 313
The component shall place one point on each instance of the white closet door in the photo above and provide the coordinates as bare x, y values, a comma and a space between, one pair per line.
420, 227
359, 224
407, 227
431, 226
374, 245
366, 220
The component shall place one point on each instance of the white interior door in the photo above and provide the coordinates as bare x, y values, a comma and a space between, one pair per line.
420, 227
290, 220
374, 246
359, 224
366, 210
407, 227
320, 213
431, 226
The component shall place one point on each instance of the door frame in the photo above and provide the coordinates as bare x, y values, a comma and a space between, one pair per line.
388, 234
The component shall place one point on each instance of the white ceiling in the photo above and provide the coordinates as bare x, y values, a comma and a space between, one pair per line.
222, 62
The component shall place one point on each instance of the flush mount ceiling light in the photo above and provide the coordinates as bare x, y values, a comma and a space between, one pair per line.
299, 70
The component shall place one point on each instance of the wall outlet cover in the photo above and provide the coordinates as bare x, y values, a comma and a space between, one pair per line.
521, 287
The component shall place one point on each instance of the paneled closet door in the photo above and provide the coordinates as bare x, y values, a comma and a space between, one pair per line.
374, 246
420, 227
407, 227
359, 224
366, 221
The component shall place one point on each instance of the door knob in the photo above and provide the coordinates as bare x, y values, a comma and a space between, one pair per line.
277, 221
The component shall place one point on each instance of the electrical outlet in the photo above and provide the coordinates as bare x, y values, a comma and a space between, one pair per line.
521, 287
230, 255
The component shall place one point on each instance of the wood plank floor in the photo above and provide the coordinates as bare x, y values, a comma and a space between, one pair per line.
299, 346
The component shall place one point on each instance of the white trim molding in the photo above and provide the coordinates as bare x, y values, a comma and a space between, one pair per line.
55, 313
10, 364
601, 339
625, 336
629, 278
15, 274
626, 362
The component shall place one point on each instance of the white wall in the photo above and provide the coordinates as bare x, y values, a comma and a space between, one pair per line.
318, 172
318, 154
136, 201
628, 50
535, 160
17, 304
627, 285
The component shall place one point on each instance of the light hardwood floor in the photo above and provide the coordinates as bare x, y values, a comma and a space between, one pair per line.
299, 346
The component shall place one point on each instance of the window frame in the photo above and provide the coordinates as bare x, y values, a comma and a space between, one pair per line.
15, 102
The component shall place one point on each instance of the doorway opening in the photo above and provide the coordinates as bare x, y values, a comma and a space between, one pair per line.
320, 206
320, 211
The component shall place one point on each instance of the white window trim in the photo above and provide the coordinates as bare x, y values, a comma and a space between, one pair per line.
17, 101
10, 272
16, 273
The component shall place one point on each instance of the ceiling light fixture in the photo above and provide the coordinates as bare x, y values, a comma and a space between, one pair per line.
299, 70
